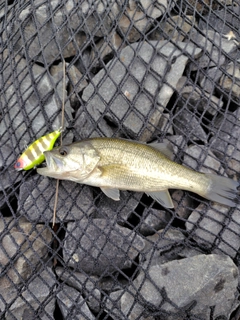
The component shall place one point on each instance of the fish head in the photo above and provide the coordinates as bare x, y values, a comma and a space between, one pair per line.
73, 162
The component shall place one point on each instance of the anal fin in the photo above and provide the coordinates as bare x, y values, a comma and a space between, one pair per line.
163, 197
111, 193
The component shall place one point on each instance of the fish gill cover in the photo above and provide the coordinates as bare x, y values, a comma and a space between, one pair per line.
166, 71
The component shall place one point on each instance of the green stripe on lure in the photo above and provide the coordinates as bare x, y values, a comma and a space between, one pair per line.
33, 155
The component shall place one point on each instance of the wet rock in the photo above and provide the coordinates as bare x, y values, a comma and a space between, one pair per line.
39, 291
153, 220
217, 230
28, 123
105, 95
196, 155
206, 279
175, 27
87, 285
188, 124
98, 247
230, 81
37, 196
72, 304
107, 208
225, 143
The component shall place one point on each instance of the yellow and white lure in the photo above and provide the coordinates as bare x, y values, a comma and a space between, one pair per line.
33, 155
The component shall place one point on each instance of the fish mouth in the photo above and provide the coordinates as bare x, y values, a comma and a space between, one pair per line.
53, 164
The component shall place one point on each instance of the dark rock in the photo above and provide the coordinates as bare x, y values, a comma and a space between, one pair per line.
230, 81
206, 279
37, 196
39, 291
87, 285
183, 203
188, 124
210, 81
153, 220
77, 83
98, 247
140, 86
73, 305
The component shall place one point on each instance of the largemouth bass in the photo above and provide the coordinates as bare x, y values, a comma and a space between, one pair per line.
118, 164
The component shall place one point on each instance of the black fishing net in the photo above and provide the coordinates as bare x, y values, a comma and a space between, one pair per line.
163, 70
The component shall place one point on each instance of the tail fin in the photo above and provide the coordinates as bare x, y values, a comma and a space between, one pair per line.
223, 190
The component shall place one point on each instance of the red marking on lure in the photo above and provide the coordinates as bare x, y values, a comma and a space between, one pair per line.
34, 155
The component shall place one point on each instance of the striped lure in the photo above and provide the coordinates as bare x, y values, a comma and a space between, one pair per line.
33, 155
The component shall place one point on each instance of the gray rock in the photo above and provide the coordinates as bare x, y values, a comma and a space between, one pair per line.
188, 124
206, 279
73, 305
86, 19
165, 124
37, 196
194, 97
225, 142
118, 211
77, 83
99, 247
230, 81
211, 41
209, 82
39, 291
116, 100
23, 246
112, 305
87, 285
28, 123
203, 160
153, 220
183, 203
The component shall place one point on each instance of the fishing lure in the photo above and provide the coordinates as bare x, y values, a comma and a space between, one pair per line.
33, 155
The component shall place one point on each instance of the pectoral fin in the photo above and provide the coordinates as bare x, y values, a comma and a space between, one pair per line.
112, 193
163, 197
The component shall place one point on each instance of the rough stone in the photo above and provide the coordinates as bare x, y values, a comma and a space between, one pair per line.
98, 247
188, 124
37, 196
153, 220
77, 83
87, 285
210, 81
183, 203
107, 95
73, 305
206, 279
230, 81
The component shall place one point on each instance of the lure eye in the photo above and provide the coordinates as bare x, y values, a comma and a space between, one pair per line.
18, 164
63, 151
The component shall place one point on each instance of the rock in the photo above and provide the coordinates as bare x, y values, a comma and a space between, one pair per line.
77, 83
39, 291
87, 285
28, 123
37, 196
195, 155
225, 142
46, 43
183, 203
153, 220
211, 41
116, 101
217, 229
22, 245
209, 82
175, 27
204, 279
230, 81
194, 97
188, 124
165, 124
72, 304
98, 247
118, 211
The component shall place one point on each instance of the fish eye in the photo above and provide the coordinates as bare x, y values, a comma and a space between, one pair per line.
63, 151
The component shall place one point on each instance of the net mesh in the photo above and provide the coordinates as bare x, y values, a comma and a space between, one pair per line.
165, 71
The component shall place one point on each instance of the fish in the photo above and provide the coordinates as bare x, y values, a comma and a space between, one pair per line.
114, 164
34, 154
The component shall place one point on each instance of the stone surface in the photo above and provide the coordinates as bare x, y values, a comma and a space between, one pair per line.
39, 291
206, 279
183, 203
87, 285
37, 196
153, 220
230, 81
99, 247
141, 86
77, 83
73, 305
